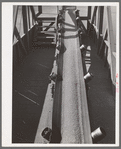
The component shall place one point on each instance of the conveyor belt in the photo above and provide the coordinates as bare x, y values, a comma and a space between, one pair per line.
75, 127
70, 111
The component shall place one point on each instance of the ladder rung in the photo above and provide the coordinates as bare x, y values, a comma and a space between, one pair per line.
46, 18
46, 21
46, 26
47, 32
38, 42
46, 37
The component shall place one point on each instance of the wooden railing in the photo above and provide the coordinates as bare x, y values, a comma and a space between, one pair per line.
103, 38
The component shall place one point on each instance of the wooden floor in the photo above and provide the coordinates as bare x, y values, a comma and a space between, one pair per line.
101, 101
29, 89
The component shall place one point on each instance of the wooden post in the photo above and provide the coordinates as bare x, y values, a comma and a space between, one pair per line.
24, 14
28, 17
19, 38
93, 18
89, 12
40, 9
94, 13
33, 13
25, 25
101, 11
15, 18
101, 19
111, 61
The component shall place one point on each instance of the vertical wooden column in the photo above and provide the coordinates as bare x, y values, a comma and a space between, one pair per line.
25, 25
40, 12
111, 60
94, 13
101, 11
24, 14
33, 13
89, 12
15, 14
89, 17
28, 17
40, 9
19, 38
92, 21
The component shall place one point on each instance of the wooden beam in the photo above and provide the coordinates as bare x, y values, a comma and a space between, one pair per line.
100, 51
100, 23
94, 13
40, 9
33, 13
15, 18
101, 19
49, 26
89, 12
81, 24
111, 61
84, 18
19, 38
28, 16
93, 18
24, 14
25, 24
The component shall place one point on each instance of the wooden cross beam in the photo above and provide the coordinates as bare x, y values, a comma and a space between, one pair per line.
49, 26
